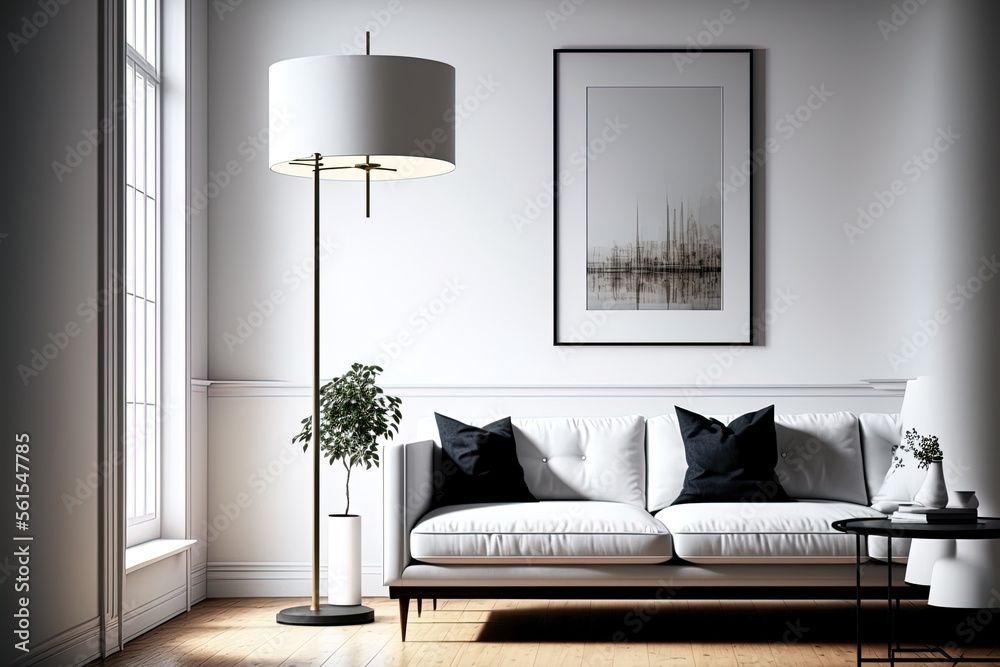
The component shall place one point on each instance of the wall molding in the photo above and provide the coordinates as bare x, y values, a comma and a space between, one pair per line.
864, 389
77, 646
153, 613
279, 579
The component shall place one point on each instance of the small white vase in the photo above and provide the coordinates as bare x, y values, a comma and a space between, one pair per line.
933, 493
344, 559
963, 499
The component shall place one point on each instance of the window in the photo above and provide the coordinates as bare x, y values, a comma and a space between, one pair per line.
142, 271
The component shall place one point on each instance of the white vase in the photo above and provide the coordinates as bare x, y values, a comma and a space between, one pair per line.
933, 493
963, 499
344, 559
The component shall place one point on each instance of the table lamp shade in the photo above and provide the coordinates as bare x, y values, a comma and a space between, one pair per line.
395, 111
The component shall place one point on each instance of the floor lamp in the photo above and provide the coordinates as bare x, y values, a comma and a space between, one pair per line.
355, 118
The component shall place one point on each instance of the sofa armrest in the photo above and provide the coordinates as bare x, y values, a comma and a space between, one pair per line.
408, 492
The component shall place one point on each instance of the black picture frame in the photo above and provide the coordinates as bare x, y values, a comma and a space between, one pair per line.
672, 284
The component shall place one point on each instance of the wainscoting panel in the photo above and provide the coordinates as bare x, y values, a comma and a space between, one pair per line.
258, 527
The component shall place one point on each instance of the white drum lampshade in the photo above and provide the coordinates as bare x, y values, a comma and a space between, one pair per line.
394, 111
968, 580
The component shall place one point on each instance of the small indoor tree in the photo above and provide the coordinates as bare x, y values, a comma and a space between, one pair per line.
354, 415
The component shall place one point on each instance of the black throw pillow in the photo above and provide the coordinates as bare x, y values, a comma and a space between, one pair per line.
479, 465
732, 463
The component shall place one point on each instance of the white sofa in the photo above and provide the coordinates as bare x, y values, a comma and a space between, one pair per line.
604, 526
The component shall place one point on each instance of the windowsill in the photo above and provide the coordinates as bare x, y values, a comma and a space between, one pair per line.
147, 553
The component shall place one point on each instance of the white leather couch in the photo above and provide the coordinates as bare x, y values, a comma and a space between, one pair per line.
604, 526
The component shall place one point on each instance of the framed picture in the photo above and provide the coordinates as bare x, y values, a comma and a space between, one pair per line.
652, 214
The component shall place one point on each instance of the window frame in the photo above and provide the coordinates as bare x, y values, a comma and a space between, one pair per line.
147, 526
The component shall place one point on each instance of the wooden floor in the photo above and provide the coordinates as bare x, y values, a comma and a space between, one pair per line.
552, 634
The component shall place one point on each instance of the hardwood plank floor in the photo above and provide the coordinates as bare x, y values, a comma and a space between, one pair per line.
558, 633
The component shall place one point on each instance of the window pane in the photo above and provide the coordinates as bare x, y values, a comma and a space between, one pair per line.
129, 461
130, 348
130, 126
140, 351
140, 27
140, 133
152, 248
129, 240
150, 148
130, 22
140, 461
151, 365
139, 258
152, 453
151, 41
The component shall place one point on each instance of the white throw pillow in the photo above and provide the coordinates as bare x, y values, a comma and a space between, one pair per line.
899, 485
819, 457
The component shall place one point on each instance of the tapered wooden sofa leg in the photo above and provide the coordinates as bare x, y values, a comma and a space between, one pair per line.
434, 601
404, 609
420, 606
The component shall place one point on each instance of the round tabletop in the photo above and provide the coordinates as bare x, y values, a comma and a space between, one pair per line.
985, 528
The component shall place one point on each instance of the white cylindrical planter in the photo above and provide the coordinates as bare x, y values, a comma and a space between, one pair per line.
344, 559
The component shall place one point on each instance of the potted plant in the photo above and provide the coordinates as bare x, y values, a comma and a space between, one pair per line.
926, 450
355, 415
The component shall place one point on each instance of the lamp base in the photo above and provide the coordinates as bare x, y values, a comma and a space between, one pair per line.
328, 614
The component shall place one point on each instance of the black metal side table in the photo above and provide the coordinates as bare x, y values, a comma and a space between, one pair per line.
983, 529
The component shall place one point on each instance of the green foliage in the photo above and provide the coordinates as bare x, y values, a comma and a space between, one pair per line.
925, 449
354, 415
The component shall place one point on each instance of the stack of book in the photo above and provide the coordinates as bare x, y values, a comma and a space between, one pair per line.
917, 514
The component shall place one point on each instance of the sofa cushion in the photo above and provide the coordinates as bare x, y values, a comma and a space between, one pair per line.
819, 457
880, 432
550, 532
594, 458
820, 477
776, 533
479, 465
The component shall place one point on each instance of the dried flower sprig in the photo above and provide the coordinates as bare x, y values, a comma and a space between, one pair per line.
924, 448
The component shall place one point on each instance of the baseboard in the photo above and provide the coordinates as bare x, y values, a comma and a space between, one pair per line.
268, 579
199, 583
76, 646
153, 613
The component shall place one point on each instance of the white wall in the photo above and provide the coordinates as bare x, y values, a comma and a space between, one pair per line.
853, 298
48, 269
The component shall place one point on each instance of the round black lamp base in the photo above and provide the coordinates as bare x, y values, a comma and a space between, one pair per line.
328, 614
